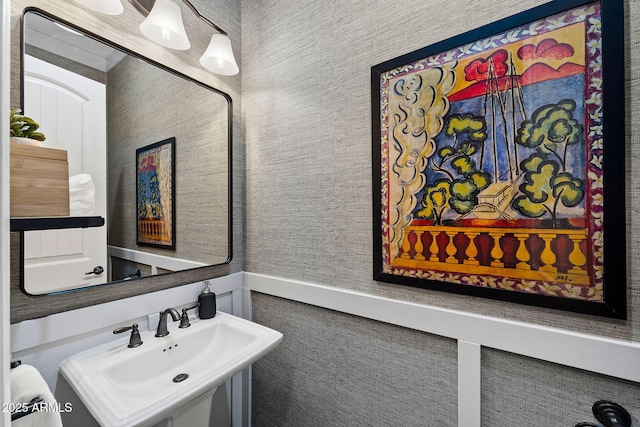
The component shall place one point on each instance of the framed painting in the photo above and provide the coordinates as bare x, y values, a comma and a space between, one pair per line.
498, 161
155, 197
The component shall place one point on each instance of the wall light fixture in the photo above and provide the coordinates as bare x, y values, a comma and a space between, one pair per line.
164, 25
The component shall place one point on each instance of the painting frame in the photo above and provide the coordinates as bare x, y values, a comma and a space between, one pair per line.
155, 195
549, 264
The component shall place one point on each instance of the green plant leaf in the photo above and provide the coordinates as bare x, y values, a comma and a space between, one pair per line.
23, 126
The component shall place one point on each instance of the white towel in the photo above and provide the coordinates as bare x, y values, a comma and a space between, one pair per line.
26, 384
82, 195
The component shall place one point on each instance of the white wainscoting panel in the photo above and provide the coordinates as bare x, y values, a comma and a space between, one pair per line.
469, 386
156, 262
612, 357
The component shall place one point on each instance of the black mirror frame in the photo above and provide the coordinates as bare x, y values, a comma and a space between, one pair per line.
226, 96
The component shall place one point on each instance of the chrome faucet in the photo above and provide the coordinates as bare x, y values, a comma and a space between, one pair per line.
162, 324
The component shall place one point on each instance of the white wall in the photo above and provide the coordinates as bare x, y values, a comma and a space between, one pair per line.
4, 210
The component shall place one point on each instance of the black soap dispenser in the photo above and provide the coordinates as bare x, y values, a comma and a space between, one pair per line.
206, 303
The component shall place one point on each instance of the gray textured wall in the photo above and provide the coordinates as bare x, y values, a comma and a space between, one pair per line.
306, 108
523, 392
123, 30
334, 369
306, 96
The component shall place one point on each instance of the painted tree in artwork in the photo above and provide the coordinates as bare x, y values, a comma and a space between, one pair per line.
547, 183
462, 181
552, 130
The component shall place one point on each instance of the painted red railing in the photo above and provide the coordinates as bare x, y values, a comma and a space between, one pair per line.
556, 255
154, 229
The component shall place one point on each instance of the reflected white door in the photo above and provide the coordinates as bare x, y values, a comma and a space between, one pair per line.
71, 111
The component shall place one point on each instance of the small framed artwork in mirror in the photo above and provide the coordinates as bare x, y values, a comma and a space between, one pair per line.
155, 198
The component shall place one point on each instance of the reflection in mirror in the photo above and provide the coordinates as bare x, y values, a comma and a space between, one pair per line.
101, 103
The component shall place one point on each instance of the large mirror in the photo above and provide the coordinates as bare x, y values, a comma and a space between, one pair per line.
148, 149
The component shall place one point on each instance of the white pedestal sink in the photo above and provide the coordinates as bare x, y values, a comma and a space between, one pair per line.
165, 377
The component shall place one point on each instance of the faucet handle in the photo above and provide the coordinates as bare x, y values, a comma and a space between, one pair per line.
134, 340
184, 319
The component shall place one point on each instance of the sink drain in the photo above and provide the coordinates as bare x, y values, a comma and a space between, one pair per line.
180, 377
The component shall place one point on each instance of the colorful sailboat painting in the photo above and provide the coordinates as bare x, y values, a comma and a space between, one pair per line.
492, 161
155, 199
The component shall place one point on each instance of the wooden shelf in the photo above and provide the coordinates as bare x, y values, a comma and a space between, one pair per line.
55, 222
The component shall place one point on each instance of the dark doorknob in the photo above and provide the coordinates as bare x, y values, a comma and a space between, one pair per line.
610, 414
97, 270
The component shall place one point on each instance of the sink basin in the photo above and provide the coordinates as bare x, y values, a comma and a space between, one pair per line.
124, 386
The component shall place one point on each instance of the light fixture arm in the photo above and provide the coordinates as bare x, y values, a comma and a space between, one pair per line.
145, 6
199, 15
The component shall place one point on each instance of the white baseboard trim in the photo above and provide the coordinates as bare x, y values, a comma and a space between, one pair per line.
612, 357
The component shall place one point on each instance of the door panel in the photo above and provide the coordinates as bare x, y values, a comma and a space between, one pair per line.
56, 259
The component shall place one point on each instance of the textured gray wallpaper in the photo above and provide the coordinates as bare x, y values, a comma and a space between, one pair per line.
306, 109
306, 95
335, 369
525, 392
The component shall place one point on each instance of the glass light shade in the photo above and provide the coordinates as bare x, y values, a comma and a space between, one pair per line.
164, 25
218, 57
108, 7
